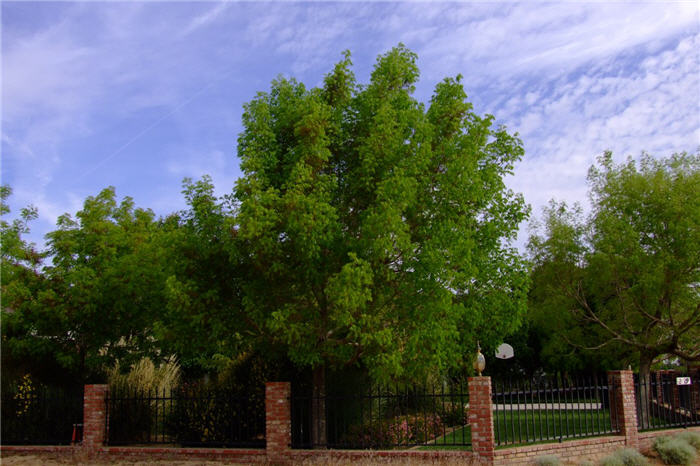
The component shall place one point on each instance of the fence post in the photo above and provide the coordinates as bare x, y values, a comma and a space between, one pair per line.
481, 418
278, 421
625, 406
94, 416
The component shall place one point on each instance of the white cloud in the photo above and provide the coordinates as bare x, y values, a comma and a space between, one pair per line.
205, 18
573, 78
651, 106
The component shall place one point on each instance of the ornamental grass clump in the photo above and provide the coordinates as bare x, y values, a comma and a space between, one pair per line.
675, 451
692, 438
625, 457
547, 460
135, 412
144, 377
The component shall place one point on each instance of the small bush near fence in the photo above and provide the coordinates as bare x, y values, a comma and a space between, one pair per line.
39, 415
407, 429
673, 450
693, 439
625, 457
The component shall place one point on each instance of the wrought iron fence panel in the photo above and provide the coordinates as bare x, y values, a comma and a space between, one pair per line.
662, 404
41, 415
382, 417
191, 416
552, 408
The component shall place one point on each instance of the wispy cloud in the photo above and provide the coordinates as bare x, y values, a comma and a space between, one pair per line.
205, 18
141, 94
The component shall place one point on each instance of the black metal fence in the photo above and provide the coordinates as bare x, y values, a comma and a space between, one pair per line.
191, 416
552, 408
382, 417
662, 403
33, 415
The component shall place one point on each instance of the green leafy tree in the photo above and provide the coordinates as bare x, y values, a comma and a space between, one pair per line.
377, 231
20, 280
628, 275
204, 323
100, 294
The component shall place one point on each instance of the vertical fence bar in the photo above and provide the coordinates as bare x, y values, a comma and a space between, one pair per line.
579, 414
496, 412
510, 405
538, 384
523, 407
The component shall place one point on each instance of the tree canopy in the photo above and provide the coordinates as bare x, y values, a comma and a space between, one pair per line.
377, 230
628, 275
98, 296
368, 230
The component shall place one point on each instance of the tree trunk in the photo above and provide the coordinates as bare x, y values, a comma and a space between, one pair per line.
645, 395
318, 408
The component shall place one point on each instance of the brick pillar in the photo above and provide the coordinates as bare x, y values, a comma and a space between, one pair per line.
623, 409
481, 418
278, 421
94, 416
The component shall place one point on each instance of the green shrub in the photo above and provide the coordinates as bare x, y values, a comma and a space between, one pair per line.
547, 460
692, 438
586, 463
402, 430
625, 457
675, 451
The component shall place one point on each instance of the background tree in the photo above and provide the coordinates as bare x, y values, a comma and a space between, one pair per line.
377, 231
100, 293
629, 274
20, 280
203, 323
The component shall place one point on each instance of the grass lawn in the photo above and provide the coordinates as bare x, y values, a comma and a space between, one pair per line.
527, 427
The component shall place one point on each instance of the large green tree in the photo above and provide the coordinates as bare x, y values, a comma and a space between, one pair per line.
627, 276
377, 229
99, 294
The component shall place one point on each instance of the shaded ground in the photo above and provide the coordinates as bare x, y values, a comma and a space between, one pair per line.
49, 460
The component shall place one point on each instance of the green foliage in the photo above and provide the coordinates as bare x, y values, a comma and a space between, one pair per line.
33, 413
628, 273
547, 460
232, 402
625, 457
377, 231
691, 438
203, 322
675, 451
98, 297
402, 430
213, 414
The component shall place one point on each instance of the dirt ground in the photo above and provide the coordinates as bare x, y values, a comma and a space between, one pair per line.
53, 460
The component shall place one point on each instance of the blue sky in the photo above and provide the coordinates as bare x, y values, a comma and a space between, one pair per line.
139, 95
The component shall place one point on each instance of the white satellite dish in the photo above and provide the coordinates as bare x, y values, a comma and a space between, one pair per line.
505, 351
